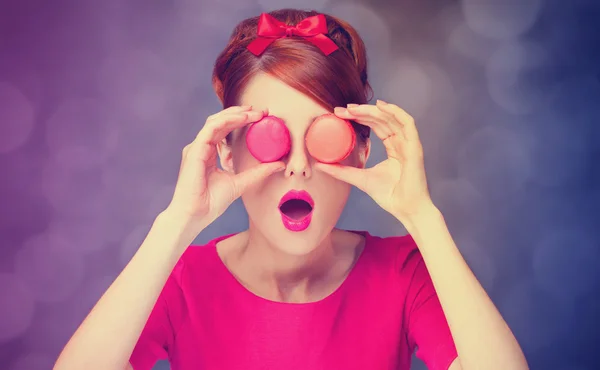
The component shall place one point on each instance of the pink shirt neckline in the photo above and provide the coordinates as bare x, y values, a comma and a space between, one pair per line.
348, 282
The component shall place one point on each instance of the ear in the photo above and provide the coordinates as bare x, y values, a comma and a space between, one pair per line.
225, 156
364, 152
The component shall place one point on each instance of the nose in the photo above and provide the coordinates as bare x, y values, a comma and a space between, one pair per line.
298, 161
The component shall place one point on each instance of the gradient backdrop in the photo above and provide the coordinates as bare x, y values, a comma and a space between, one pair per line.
97, 99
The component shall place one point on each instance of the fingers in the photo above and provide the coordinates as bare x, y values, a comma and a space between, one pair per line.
219, 125
406, 121
377, 124
373, 113
255, 175
349, 174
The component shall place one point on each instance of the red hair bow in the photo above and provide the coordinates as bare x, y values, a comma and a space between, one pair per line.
312, 29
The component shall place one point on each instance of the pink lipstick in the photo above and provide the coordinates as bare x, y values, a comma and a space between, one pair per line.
296, 208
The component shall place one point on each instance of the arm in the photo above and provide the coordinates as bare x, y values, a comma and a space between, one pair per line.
107, 336
483, 339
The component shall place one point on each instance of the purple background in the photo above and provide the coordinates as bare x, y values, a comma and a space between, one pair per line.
97, 98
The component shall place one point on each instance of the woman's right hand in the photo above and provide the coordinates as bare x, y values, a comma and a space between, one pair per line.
203, 191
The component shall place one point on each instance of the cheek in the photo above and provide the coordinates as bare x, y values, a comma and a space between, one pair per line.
353, 159
333, 192
242, 159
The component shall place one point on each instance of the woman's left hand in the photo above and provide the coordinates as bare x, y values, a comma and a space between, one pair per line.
397, 184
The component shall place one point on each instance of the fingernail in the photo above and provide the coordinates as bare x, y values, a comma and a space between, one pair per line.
352, 105
339, 109
381, 102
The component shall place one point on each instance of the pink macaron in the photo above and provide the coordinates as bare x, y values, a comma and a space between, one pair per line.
268, 140
330, 139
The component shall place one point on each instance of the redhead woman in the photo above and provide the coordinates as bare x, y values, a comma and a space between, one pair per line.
293, 291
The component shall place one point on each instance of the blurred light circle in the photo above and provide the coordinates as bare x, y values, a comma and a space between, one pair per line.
501, 19
18, 71
33, 361
519, 77
159, 198
52, 271
55, 324
410, 86
88, 234
92, 292
269, 5
81, 133
132, 243
222, 17
376, 34
496, 161
463, 41
565, 263
147, 142
435, 112
561, 154
138, 83
72, 191
463, 205
17, 115
579, 96
479, 260
535, 318
17, 308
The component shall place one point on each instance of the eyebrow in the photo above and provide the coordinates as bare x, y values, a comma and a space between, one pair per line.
312, 119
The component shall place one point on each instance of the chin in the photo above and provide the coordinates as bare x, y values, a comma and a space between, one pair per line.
297, 241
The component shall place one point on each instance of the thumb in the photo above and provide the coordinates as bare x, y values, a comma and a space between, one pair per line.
254, 175
352, 175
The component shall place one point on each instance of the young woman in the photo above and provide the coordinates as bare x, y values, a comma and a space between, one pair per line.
293, 291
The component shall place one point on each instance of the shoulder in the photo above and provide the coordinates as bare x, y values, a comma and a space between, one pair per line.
400, 250
198, 258
397, 254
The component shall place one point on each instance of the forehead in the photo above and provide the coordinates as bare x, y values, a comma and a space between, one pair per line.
265, 91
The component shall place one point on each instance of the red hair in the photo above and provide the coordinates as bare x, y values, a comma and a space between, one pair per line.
334, 80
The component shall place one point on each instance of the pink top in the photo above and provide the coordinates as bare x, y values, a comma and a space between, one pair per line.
386, 308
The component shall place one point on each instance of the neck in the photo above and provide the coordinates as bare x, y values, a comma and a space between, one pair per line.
273, 273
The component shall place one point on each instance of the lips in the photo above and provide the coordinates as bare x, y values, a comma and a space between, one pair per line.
296, 208
297, 195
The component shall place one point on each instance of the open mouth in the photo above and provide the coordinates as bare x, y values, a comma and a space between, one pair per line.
296, 209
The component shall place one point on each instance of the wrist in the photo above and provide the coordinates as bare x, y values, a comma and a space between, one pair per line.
423, 217
180, 228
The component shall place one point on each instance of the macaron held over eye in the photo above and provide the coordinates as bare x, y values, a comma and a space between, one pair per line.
268, 139
329, 139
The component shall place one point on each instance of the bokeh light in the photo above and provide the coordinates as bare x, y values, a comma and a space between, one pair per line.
52, 271
565, 263
33, 361
536, 319
17, 115
375, 32
410, 86
98, 99
518, 75
497, 161
478, 257
17, 308
132, 243
81, 133
137, 81
561, 153
268, 5
463, 41
72, 191
501, 19
466, 209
